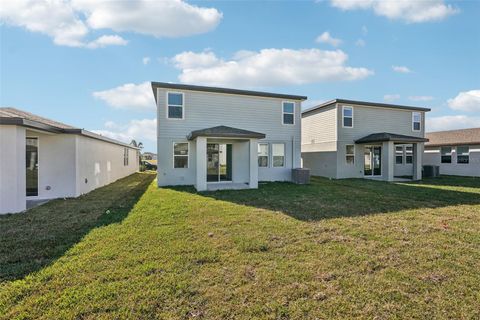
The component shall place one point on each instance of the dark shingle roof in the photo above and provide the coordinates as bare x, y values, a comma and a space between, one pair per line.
385, 136
13, 113
176, 86
364, 103
225, 132
454, 137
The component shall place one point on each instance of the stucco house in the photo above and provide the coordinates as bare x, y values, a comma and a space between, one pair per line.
456, 152
45, 159
218, 138
356, 139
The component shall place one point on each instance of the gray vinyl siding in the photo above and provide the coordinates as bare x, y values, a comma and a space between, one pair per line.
432, 156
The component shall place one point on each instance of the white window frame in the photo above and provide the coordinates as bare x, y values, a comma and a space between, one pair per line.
446, 154
173, 154
175, 105
38, 165
283, 112
397, 154
408, 154
458, 154
343, 116
350, 154
284, 155
413, 121
268, 154
125, 156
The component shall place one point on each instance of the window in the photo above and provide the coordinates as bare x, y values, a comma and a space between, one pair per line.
398, 154
278, 154
409, 154
263, 155
446, 154
350, 153
416, 121
125, 156
180, 155
463, 154
174, 105
288, 112
347, 117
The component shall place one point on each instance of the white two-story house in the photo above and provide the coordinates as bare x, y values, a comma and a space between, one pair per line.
356, 139
218, 138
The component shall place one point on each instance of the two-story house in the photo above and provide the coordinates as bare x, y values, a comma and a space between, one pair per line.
218, 138
356, 139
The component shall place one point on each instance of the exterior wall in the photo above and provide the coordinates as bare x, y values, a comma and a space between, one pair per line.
345, 170
321, 163
432, 156
99, 163
205, 109
12, 169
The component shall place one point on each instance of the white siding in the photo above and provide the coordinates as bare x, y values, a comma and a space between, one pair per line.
432, 156
319, 127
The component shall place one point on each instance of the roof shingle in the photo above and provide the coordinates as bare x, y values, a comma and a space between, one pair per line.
454, 137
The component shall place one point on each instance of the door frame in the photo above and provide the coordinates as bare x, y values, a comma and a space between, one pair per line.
371, 161
218, 167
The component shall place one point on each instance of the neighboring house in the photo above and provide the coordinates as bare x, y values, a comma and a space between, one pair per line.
356, 139
149, 156
44, 159
217, 138
457, 152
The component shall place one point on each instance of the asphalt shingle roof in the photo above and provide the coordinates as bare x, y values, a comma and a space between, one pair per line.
454, 137
385, 136
224, 131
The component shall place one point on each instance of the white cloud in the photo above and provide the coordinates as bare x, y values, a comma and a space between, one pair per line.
411, 11
267, 67
466, 101
391, 97
421, 98
451, 122
140, 130
401, 69
327, 38
146, 60
129, 96
69, 22
360, 43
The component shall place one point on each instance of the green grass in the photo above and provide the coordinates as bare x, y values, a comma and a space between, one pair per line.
332, 249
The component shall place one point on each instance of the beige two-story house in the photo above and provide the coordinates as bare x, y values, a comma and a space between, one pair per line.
357, 139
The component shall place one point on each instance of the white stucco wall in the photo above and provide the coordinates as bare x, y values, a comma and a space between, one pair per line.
12, 167
432, 156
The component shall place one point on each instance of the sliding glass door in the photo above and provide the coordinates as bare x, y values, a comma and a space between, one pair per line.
372, 161
32, 166
219, 162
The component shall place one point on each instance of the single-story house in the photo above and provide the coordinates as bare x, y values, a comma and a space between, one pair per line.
357, 139
218, 138
456, 152
45, 159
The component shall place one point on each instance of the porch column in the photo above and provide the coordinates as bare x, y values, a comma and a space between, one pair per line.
417, 160
253, 183
201, 163
389, 163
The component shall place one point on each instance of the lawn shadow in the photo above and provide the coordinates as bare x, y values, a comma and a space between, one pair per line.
32, 240
325, 199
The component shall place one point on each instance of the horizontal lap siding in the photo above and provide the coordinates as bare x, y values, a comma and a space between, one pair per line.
432, 156
319, 128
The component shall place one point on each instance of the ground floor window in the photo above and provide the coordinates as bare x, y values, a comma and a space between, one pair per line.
398, 154
350, 153
31, 167
180, 155
263, 155
409, 154
446, 154
125, 156
278, 154
463, 154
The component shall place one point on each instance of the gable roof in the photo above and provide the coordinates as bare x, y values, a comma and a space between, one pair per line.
454, 137
225, 132
176, 86
13, 116
385, 136
364, 103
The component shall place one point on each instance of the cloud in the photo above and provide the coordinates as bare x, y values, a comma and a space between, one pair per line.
327, 38
146, 60
451, 122
360, 43
267, 67
129, 96
364, 30
466, 101
140, 130
401, 69
421, 98
69, 22
410, 11
391, 97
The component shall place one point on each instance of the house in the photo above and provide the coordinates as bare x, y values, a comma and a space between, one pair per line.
218, 138
149, 156
357, 139
45, 159
457, 152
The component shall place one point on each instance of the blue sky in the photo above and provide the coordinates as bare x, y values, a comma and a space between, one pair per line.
86, 63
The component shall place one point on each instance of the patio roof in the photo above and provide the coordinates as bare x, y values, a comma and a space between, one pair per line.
225, 132
385, 136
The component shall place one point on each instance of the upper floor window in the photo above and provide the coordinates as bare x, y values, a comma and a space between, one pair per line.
409, 154
180, 155
416, 121
175, 105
347, 115
399, 154
446, 154
278, 154
288, 112
463, 154
263, 155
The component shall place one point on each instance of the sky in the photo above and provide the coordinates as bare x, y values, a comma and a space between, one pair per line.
88, 63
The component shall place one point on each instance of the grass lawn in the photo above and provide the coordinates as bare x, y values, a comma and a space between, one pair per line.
332, 249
